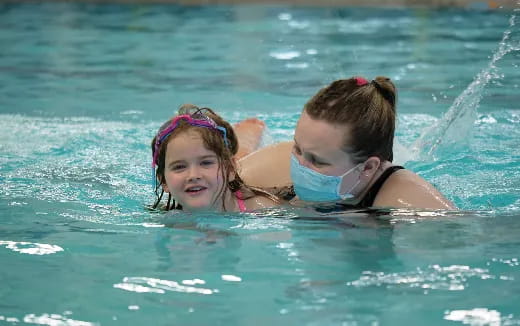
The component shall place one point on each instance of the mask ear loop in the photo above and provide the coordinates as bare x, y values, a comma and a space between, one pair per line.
348, 194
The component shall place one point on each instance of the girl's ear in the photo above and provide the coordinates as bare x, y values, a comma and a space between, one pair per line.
165, 188
233, 183
370, 167
234, 166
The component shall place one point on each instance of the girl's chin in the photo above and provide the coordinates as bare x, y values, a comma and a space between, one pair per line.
196, 207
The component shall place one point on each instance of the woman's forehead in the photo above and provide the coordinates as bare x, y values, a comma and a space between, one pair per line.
319, 136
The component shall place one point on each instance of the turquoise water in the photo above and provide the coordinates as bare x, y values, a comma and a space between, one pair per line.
83, 87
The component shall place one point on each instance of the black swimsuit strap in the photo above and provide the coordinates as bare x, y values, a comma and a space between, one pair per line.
368, 200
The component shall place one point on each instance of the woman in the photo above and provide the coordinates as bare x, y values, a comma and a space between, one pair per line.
342, 152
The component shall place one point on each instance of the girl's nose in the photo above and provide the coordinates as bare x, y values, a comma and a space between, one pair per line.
193, 173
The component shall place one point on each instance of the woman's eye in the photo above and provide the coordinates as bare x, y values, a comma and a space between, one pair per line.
317, 163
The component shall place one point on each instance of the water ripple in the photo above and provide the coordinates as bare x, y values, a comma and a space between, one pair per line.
31, 248
55, 320
48, 319
450, 278
154, 285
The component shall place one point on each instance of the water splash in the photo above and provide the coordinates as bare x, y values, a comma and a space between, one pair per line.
454, 128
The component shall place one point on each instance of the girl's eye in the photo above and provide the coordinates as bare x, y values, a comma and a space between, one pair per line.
207, 162
178, 167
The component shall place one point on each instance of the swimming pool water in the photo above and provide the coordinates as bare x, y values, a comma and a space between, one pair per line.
83, 87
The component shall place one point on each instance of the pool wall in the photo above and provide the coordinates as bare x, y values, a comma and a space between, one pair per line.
470, 4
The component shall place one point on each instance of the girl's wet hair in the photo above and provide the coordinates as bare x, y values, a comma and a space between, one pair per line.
369, 110
214, 141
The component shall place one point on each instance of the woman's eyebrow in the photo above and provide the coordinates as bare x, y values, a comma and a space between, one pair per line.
310, 154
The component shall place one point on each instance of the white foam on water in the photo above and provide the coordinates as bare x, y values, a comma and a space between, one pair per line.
31, 248
55, 320
475, 317
155, 285
285, 55
435, 277
231, 278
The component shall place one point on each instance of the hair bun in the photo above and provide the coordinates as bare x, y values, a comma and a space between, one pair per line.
386, 88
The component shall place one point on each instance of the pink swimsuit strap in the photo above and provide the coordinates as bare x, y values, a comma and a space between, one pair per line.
241, 203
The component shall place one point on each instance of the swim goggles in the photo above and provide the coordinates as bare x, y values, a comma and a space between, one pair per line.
196, 119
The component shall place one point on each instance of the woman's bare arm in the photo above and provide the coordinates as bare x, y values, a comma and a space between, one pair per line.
268, 166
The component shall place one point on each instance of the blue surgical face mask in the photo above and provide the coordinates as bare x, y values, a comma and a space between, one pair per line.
310, 185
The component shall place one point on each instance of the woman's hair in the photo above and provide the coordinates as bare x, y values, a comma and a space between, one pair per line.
213, 140
368, 108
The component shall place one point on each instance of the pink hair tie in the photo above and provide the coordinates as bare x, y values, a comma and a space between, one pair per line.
360, 81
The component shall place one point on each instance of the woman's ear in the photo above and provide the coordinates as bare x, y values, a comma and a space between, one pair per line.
370, 167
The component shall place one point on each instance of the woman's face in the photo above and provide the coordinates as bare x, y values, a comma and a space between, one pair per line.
318, 146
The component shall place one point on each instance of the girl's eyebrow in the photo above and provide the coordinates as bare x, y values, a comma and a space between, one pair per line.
176, 162
207, 156
203, 157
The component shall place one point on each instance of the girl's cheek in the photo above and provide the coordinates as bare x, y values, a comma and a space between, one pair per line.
172, 177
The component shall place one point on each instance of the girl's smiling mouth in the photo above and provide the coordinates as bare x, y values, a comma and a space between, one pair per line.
195, 190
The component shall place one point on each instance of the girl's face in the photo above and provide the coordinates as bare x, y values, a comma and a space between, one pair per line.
192, 174
318, 146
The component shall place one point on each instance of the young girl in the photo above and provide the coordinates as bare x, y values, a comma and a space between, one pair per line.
193, 160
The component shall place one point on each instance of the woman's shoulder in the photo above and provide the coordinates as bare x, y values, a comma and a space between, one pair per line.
406, 189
